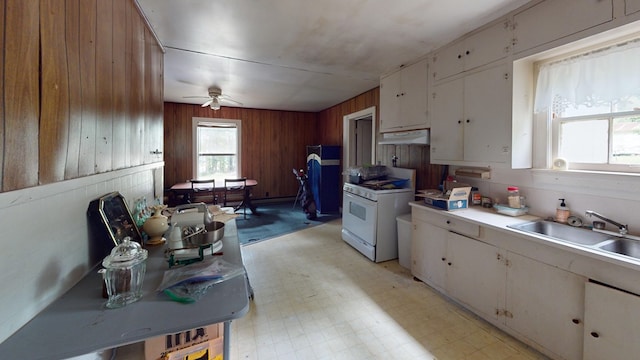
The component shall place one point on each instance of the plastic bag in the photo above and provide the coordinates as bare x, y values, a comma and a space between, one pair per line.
187, 284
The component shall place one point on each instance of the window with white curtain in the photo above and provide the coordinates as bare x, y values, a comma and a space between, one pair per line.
592, 104
217, 149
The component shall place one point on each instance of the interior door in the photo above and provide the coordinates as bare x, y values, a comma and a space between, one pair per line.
363, 141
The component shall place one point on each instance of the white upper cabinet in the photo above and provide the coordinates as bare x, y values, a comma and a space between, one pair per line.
471, 123
554, 19
403, 99
478, 49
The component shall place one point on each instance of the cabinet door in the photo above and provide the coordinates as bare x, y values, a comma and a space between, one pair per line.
545, 304
611, 323
389, 101
487, 128
413, 102
631, 6
446, 122
448, 61
487, 45
554, 19
475, 274
428, 253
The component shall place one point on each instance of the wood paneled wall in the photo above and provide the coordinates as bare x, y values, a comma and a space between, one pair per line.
409, 156
272, 144
82, 90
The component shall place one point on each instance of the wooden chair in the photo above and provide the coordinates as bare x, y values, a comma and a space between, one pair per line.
235, 192
203, 190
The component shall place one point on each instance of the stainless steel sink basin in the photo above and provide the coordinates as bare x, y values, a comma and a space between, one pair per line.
562, 232
622, 246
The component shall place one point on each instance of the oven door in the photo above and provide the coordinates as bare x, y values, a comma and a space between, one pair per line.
359, 217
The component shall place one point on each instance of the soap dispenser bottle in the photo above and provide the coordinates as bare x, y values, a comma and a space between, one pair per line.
562, 212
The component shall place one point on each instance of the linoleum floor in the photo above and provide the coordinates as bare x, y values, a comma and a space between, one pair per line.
318, 298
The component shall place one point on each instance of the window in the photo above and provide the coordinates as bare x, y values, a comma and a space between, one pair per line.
592, 103
217, 149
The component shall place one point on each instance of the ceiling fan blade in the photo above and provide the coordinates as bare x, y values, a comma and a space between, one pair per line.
207, 103
196, 97
228, 99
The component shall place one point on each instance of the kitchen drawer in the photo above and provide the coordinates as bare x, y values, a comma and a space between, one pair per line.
446, 222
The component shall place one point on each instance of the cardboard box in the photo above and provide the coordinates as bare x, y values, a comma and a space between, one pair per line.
208, 350
457, 198
160, 347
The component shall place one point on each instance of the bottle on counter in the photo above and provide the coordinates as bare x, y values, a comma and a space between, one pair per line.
514, 198
562, 212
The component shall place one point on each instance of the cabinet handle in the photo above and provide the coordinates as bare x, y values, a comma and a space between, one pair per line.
444, 259
468, 52
595, 334
575, 321
459, 56
448, 222
449, 263
459, 121
468, 121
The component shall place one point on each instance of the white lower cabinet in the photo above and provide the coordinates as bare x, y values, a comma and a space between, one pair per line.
545, 304
611, 323
468, 270
540, 303
428, 253
475, 274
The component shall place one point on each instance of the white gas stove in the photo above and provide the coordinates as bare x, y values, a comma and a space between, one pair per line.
369, 213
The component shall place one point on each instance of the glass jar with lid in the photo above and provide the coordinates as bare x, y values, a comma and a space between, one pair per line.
514, 198
123, 273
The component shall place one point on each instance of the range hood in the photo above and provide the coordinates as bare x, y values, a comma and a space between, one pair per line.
417, 137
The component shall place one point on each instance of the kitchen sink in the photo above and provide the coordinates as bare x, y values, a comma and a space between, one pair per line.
562, 232
622, 246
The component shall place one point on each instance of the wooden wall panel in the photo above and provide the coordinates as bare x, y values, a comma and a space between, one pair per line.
88, 18
273, 143
55, 93
21, 94
72, 35
120, 100
104, 82
65, 70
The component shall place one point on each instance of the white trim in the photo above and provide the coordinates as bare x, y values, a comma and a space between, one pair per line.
625, 186
23, 196
348, 126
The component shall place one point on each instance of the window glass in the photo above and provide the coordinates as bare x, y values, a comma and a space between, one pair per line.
218, 151
593, 105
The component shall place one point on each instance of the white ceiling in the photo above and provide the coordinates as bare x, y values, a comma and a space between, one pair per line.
301, 55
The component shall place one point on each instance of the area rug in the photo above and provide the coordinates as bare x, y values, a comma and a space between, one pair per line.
276, 219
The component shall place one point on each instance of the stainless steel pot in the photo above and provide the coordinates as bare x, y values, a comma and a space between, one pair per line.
212, 232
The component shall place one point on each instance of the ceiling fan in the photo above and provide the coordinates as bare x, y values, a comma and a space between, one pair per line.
215, 97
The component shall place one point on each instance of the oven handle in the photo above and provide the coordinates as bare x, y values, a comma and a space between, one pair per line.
363, 200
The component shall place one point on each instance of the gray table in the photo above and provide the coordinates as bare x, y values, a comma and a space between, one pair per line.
78, 322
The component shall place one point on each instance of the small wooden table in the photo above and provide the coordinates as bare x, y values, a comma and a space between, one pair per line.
184, 191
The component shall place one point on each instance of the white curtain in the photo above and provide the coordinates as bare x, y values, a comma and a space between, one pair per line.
602, 76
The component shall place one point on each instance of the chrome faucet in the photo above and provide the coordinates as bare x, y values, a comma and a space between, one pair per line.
624, 229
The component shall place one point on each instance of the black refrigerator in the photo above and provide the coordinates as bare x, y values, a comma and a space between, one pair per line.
323, 171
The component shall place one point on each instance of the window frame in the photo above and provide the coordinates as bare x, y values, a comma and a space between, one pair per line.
197, 121
548, 126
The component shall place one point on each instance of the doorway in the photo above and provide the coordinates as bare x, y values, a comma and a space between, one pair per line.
359, 138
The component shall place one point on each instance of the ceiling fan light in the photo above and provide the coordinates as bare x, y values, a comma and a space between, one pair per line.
215, 104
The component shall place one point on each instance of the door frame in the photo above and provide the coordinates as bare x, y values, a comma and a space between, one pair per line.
348, 132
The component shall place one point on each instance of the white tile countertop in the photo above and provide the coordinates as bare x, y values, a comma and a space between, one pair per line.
608, 267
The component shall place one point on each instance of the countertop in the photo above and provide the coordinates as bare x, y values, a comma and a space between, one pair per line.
79, 323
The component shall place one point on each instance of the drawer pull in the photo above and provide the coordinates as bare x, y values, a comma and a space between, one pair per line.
575, 321
448, 222
595, 334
